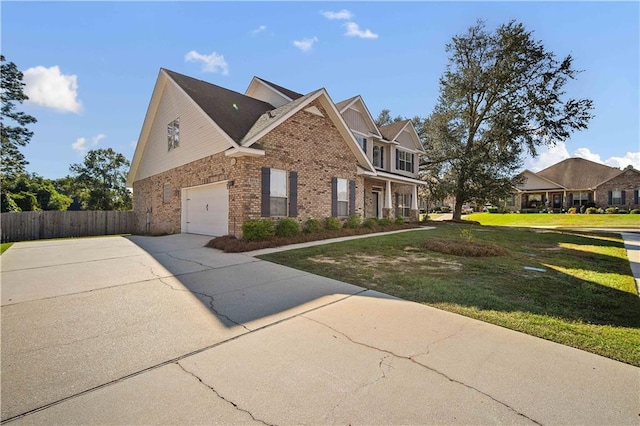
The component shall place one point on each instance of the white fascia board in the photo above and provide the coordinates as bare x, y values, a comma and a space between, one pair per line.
268, 86
400, 179
242, 151
347, 106
364, 172
369, 116
417, 138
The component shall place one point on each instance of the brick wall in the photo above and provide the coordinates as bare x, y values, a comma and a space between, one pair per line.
305, 143
628, 181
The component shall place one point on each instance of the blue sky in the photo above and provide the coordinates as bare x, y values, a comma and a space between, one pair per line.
90, 67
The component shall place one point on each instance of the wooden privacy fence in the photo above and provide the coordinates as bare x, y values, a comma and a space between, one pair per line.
21, 226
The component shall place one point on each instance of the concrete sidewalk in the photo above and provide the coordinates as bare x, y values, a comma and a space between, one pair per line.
163, 331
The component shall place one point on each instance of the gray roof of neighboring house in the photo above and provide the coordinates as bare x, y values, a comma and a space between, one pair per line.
578, 173
390, 131
234, 112
289, 93
269, 117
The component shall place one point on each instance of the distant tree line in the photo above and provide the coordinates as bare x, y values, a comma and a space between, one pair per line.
99, 183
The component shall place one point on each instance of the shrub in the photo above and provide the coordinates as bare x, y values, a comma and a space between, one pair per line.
634, 211
370, 223
332, 223
572, 210
591, 210
385, 221
311, 225
287, 228
492, 209
353, 222
399, 221
623, 211
612, 210
257, 230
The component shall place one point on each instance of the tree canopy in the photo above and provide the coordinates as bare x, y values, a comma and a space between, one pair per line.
501, 95
102, 177
13, 124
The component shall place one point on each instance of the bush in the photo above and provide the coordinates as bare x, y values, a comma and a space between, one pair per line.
623, 211
385, 221
612, 210
353, 222
257, 230
399, 221
492, 209
572, 210
287, 228
311, 225
634, 211
370, 223
332, 223
591, 210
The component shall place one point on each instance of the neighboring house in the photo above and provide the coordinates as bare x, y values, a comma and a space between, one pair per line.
575, 182
209, 159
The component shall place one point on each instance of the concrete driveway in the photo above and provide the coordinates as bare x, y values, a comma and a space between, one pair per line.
159, 330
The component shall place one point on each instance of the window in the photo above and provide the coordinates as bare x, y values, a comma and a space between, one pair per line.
343, 198
616, 197
278, 193
579, 198
378, 156
362, 141
404, 161
166, 193
403, 205
173, 134
510, 201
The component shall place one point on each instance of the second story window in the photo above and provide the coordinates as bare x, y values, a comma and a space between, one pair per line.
404, 161
173, 134
362, 141
378, 156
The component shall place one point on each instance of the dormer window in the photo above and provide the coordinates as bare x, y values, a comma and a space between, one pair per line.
362, 141
173, 134
404, 161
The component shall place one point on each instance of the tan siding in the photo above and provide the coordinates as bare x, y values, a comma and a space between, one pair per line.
267, 95
533, 182
405, 140
355, 121
198, 136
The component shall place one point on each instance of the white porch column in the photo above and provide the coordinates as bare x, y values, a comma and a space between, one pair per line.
387, 196
414, 199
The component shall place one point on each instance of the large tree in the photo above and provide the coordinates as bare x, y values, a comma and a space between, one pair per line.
13, 124
103, 177
502, 95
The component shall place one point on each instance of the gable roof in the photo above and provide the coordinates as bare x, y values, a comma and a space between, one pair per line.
342, 105
234, 112
391, 131
629, 168
574, 173
347, 103
283, 90
552, 184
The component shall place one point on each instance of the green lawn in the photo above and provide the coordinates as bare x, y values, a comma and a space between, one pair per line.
585, 297
562, 220
4, 247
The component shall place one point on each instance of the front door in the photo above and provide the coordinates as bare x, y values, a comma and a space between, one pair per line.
557, 201
376, 204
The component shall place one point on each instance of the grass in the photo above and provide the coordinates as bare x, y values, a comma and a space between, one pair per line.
4, 247
586, 298
562, 220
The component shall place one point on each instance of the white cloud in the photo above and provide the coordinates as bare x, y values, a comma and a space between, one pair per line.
342, 14
306, 44
82, 145
260, 29
559, 152
210, 63
49, 88
353, 30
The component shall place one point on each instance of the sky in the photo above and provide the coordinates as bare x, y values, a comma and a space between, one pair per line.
90, 67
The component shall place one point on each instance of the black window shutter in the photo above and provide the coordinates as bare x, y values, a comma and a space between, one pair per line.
352, 197
265, 201
610, 197
382, 157
636, 195
411, 163
397, 159
334, 197
571, 200
293, 194
397, 196
624, 193
364, 145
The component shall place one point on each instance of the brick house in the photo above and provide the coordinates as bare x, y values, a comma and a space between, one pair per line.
575, 182
209, 158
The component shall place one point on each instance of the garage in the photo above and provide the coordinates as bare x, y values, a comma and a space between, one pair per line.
205, 209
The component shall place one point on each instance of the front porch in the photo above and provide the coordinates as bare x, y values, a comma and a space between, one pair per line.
386, 198
553, 201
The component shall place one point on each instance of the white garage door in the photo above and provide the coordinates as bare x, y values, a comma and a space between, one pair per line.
206, 210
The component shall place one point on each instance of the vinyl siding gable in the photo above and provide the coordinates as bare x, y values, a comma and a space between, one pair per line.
199, 137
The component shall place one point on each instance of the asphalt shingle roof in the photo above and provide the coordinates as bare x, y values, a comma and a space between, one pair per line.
578, 173
390, 131
234, 112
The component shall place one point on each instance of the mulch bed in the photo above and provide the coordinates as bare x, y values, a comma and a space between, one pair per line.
230, 244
